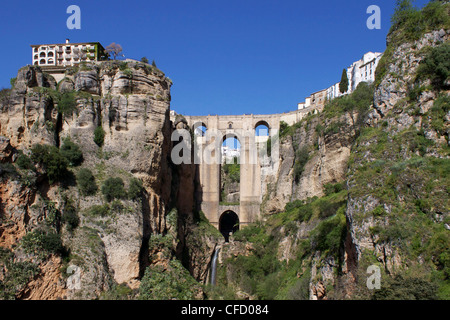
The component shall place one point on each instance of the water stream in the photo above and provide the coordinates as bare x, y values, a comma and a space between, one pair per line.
214, 266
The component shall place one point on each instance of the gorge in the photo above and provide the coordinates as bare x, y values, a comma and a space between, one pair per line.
87, 180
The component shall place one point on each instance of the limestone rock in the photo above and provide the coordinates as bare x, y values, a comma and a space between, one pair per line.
87, 81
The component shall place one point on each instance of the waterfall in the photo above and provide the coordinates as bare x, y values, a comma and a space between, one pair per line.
214, 266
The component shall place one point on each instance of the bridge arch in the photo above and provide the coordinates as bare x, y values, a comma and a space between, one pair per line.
231, 139
199, 128
228, 224
262, 128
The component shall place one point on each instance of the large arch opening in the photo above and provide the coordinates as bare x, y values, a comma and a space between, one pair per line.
228, 224
230, 170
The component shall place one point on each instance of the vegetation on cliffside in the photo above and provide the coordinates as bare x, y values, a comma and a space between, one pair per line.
392, 208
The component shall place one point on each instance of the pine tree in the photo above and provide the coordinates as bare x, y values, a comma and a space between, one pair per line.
343, 85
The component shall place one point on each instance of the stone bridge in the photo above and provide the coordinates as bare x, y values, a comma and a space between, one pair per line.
243, 128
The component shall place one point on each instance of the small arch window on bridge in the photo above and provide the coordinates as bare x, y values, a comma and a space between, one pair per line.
262, 129
228, 224
200, 129
231, 147
262, 137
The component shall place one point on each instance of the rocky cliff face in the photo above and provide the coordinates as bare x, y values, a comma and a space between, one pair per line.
130, 102
364, 183
403, 133
325, 161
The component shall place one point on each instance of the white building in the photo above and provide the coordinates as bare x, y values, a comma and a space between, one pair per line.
362, 70
66, 54
228, 153
333, 92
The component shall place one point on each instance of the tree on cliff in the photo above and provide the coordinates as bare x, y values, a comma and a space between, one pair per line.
343, 85
115, 50
403, 12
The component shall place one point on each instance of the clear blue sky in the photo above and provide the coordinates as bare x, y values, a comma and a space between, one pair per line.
224, 56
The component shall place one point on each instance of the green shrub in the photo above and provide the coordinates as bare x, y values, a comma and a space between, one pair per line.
327, 208
86, 182
24, 162
67, 104
118, 292
305, 213
440, 108
99, 136
113, 188
267, 288
301, 158
300, 291
51, 159
233, 170
42, 242
400, 288
71, 152
359, 101
329, 235
294, 204
436, 66
410, 24
135, 189
99, 210
173, 283
15, 275
284, 127
123, 65
419, 143
70, 215
330, 188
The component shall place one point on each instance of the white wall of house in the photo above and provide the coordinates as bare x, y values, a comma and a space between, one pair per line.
62, 54
362, 70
